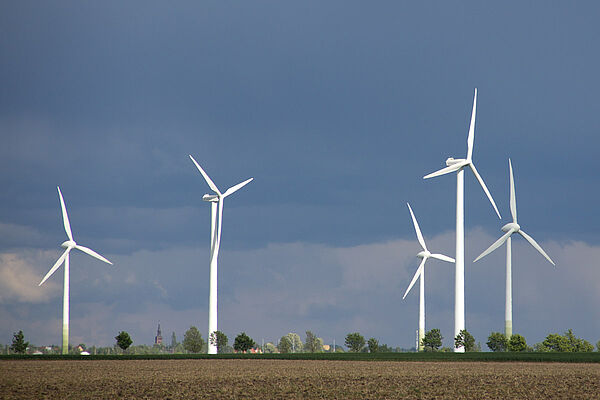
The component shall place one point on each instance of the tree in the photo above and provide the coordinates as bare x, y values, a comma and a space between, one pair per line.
384, 348
192, 340
554, 342
285, 345
296, 342
517, 343
173, 341
355, 342
270, 348
219, 339
313, 344
123, 340
598, 345
373, 345
19, 345
464, 339
243, 342
578, 344
585, 346
432, 340
179, 349
497, 342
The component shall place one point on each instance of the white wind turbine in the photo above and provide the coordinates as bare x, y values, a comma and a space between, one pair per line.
215, 243
510, 228
423, 255
458, 165
68, 245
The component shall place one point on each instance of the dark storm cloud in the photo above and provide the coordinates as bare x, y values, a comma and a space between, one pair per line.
336, 109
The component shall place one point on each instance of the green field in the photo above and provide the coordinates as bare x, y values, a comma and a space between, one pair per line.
591, 357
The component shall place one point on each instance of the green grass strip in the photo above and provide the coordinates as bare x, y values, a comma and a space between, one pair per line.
592, 357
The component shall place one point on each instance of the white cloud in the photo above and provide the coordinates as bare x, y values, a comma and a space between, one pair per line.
270, 291
20, 276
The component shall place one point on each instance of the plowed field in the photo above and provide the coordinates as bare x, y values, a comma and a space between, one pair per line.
289, 379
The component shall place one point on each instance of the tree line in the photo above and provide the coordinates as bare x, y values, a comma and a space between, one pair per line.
497, 342
193, 342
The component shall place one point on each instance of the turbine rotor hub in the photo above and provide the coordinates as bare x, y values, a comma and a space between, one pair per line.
511, 225
68, 243
423, 254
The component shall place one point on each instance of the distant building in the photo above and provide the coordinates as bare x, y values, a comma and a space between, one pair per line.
158, 337
253, 350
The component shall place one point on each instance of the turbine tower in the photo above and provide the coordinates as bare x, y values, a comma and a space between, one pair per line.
458, 165
510, 228
68, 245
216, 213
423, 255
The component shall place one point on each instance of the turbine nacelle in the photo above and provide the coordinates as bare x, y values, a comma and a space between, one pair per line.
511, 226
424, 254
452, 161
68, 244
211, 197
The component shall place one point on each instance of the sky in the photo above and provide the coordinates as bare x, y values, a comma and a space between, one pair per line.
337, 110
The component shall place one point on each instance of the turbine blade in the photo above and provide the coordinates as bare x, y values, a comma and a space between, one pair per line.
495, 245
65, 216
485, 189
446, 170
417, 230
537, 246
92, 253
57, 264
443, 258
513, 198
206, 177
414, 279
237, 187
471, 137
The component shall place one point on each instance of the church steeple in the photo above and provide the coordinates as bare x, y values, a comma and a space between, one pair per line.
158, 338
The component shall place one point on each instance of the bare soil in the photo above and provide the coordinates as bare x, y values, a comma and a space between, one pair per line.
295, 379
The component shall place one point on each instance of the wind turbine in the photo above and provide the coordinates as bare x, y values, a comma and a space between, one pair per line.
423, 255
68, 245
216, 201
458, 165
510, 228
